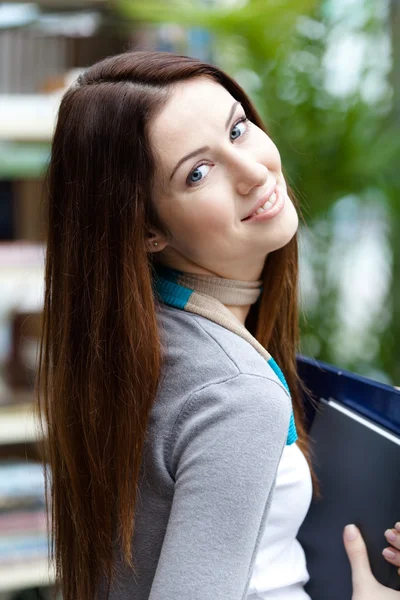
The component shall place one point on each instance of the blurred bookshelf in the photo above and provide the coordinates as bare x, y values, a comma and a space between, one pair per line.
24, 536
17, 422
30, 574
23, 529
38, 64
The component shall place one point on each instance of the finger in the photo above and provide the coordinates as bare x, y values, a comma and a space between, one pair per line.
358, 557
393, 537
392, 556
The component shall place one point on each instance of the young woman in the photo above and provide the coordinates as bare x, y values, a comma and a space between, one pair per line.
178, 454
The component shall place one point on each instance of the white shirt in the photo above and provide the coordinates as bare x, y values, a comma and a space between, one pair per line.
280, 570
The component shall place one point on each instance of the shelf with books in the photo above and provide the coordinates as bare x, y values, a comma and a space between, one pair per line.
24, 540
28, 117
21, 281
20, 160
26, 574
18, 424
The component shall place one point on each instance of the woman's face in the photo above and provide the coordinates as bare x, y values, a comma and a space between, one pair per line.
212, 167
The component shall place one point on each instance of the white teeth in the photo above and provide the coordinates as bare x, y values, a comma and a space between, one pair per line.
266, 206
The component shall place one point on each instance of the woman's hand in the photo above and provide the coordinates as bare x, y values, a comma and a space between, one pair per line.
392, 554
365, 586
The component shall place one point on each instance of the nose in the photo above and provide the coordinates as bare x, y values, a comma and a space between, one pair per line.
249, 174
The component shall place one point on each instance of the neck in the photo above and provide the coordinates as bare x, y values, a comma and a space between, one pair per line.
236, 295
240, 312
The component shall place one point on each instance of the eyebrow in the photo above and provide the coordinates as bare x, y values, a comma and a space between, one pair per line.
203, 148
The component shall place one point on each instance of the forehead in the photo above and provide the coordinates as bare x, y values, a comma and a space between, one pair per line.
194, 109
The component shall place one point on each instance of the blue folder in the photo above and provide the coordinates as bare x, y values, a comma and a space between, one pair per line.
376, 401
354, 428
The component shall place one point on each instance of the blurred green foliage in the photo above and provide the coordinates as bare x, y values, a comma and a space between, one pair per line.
333, 145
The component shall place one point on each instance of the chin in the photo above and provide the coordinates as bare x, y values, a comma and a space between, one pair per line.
287, 229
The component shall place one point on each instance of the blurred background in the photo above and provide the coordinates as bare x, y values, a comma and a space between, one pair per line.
325, 76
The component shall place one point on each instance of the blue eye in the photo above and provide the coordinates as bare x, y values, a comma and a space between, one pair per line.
196, 173
242, 121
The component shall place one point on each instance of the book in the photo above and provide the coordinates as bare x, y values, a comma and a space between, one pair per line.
357, 462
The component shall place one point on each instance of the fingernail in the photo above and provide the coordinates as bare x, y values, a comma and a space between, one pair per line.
397, 526
392, 537
389, 554
351, 532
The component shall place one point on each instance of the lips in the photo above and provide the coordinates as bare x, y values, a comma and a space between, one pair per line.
261, 202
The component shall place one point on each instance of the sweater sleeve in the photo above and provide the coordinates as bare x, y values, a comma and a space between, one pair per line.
225, 448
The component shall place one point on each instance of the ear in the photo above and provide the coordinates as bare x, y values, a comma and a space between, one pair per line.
155, 242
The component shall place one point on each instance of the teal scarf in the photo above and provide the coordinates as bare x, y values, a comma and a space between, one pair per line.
206, 295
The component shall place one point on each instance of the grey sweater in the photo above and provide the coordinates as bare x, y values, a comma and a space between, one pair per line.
216, 434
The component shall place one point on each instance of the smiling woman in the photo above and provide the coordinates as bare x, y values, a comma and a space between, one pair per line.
179, 459
205, 202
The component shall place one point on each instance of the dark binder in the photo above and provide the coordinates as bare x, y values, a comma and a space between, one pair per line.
355, 439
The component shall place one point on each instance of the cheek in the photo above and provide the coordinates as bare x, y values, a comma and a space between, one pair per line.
207, 219
206, 213
193, 224
270, 156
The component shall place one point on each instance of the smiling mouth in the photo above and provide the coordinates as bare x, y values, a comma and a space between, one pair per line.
264, 208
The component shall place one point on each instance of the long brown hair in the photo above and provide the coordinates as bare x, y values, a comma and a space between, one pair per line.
100, 356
